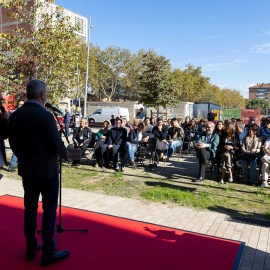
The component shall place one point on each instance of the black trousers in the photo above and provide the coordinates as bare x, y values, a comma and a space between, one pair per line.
203, 154
49, 190
107, 155
97, 150
84, 147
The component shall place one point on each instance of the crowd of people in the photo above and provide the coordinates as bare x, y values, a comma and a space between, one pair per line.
223, 145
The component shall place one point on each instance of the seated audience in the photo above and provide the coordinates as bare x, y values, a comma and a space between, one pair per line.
136, 137
233, 120
176, 134
186, 124
228, 146
148, 126
201, 125
251, 148
101, 138
180, 122
192, 126
240, 130
82, 136
136, 121
126, 125
265, 130
115, 143
206, 148
265, 163
169, 122
153, 121
219, 128
160, 133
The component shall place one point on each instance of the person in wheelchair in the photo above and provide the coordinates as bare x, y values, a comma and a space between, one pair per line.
251, 148
136, 137
206, 148
176, 134
228, 147
82, 136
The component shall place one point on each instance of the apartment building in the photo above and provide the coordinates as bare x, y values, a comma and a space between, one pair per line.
7, 25
260, 91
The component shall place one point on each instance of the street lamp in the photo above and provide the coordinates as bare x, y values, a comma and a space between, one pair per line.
78, 82
86, 80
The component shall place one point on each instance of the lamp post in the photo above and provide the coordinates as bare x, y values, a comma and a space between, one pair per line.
78, 82
86, 79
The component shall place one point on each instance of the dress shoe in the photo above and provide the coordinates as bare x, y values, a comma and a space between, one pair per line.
31, 252
90, 155
200, 179
57, 256
11, 169
132, 163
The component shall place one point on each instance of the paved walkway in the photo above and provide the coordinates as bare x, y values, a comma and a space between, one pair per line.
257, 251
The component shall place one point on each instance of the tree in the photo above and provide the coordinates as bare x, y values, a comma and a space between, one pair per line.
156, 85
192, 85
111, 67
41, 52
259, 103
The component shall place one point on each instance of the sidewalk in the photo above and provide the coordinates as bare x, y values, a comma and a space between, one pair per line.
256, 254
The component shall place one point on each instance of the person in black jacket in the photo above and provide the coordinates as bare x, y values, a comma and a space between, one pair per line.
211, 115
82, 137
36, 142
136, 136
160, 132
116, 142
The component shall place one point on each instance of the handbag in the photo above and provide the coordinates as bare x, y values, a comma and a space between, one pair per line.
248, 156
266, 159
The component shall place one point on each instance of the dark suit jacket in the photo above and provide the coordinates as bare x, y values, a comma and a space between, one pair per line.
117, 136
36, 141
87, 135
161, 135
133, 136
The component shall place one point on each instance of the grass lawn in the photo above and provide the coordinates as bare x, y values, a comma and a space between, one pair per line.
170, 184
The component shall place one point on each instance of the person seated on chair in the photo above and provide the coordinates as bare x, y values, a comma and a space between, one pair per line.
228, 146
219, 128
148, 126
136, 137
206, 148
160, 133
251, 148
265, 130
82, 136
176, 134
115, 143
265, 163
101, 138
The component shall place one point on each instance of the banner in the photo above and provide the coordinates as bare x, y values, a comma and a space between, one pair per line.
230, 113
245, 114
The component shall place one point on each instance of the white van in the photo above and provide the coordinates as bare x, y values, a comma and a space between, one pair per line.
100, 115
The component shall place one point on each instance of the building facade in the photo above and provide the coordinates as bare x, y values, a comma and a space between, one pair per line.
260, 91
8, 25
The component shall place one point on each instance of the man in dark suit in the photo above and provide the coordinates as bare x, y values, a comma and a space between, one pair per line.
82, 137
36, 142
116, 142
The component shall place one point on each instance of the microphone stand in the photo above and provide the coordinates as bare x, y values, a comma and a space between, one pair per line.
59, 227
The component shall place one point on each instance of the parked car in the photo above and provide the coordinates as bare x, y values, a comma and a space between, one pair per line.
100, 115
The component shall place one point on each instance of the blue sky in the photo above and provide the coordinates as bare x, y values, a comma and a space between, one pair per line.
230, 40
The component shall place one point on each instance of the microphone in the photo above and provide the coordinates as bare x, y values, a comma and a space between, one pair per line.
50, 106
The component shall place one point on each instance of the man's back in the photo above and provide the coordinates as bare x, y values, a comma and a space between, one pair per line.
35, 140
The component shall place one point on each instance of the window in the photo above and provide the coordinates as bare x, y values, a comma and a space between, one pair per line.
98, 111
262, 90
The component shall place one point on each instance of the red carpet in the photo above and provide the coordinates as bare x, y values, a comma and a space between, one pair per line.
114, 243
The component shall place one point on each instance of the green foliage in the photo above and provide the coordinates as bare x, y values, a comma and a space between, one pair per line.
259, 103
156, 84
42, 52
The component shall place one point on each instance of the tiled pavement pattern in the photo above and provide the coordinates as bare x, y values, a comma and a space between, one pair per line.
257, 251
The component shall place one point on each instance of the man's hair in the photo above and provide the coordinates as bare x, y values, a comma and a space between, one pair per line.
147, 118
34, 89
20, 100
141, 108
211, 123
118, 119
159, 119
240, 124
124, 119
